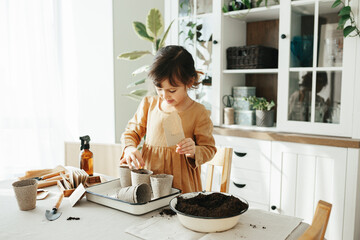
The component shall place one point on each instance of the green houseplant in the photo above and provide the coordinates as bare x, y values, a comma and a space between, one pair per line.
346, 14
152, 31
264, 110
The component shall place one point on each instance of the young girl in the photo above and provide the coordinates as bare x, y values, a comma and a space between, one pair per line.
173, 73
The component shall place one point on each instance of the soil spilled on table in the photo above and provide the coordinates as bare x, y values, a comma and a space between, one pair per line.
211, 205
168, 212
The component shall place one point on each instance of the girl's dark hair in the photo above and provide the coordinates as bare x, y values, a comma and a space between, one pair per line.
174, 63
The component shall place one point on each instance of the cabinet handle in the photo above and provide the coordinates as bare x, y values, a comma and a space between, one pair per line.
239, 185
215, 42
283, 36
273, 207
240, 154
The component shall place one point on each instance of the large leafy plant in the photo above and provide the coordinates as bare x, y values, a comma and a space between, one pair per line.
152, 31
260, 103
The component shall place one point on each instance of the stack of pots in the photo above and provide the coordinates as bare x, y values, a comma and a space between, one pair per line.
243, 112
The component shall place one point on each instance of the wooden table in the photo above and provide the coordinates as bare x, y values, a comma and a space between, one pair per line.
96, 221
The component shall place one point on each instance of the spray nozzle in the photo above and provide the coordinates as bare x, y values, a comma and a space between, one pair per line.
85, 142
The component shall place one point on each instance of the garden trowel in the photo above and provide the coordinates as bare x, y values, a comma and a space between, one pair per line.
53, 214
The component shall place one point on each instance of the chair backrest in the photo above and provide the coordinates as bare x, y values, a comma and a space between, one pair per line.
106, 157
222, 158
317, 229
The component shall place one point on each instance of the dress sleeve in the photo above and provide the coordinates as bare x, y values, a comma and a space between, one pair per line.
136, 127
204, 141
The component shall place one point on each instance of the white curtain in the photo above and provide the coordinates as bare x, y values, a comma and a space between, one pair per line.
33, 95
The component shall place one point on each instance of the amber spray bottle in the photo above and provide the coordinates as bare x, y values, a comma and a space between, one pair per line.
86, 156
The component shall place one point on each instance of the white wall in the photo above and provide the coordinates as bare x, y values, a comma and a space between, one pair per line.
87, 37
125, 40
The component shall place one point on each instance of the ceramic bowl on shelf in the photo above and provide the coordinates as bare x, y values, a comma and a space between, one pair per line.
206, 224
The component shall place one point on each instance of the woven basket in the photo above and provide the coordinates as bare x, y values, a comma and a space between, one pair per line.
253, 56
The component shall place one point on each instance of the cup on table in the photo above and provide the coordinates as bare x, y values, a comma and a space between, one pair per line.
139, 176
125, 176
161, 184
135, 194
25, 193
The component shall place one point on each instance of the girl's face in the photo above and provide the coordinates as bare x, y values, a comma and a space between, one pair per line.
174, 96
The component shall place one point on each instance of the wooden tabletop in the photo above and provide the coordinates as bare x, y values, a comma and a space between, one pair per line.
289, 137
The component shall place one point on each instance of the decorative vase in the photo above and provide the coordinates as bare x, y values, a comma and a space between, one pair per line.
265, 118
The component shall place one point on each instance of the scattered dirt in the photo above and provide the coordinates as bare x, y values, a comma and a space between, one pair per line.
167, 211
211, 205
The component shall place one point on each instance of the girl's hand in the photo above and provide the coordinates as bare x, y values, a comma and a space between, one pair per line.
132, 157
187, 147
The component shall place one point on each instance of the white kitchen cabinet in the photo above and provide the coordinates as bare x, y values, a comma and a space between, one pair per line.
303, 174
290, 178
284, 26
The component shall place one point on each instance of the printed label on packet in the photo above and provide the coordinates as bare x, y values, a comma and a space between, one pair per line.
174, 132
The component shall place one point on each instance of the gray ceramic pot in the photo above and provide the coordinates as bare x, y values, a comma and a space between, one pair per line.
265, 118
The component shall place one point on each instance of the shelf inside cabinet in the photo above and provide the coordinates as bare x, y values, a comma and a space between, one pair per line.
252, 71
256, 14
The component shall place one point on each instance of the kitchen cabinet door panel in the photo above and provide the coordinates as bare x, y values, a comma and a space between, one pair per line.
305, 186
305, 174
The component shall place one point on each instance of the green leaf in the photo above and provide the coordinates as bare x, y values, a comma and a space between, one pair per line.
136, 94
140, 30
348, 30
139, 92
133, 55
225, 8
258, 2
248, 3
162, 42
154, 23
190, 35
140, 70
157, 44
133, 97
345, 11
343, 20
200, 55
142, 81
336, 3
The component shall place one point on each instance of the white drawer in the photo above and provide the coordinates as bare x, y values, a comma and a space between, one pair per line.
251, 159
262, 145
251, 185
248, 153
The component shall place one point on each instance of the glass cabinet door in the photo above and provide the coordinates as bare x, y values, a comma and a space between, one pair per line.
195, 34
315, 91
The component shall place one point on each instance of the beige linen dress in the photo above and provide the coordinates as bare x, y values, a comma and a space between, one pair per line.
160, 158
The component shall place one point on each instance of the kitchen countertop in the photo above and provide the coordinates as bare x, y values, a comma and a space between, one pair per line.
96, 221
289, 137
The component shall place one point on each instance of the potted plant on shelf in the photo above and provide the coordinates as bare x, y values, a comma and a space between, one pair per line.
264, 111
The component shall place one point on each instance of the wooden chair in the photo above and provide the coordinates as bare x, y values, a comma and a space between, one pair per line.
317, 229
222, 158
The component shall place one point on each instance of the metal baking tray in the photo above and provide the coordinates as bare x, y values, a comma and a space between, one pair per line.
105, 194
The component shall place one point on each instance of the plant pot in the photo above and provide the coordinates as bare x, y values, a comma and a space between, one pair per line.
265, 118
